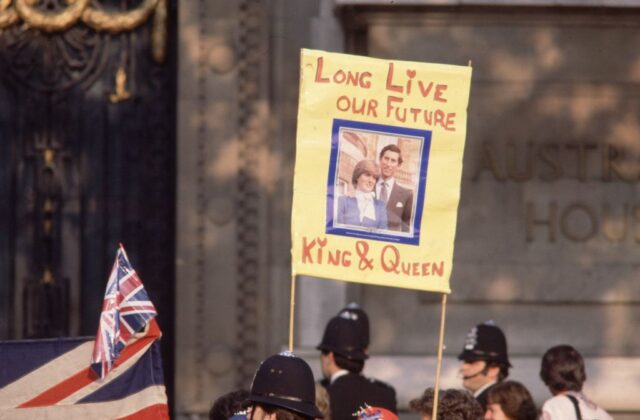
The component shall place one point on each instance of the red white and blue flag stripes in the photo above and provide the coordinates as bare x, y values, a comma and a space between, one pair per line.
53, 378
126, 310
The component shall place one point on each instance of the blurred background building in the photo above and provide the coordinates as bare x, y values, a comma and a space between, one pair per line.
170, 127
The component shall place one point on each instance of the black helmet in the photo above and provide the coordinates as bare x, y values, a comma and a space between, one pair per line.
342, 336
485, 342
354, 312
285, 381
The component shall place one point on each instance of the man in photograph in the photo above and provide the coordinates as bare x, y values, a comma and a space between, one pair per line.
399, 200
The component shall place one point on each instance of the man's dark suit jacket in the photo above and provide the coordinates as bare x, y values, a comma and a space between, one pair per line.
350, 392
399, 208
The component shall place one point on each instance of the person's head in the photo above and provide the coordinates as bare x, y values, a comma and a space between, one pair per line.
323, 402
283, 388
228, 404
270, 412
510, 400
484, 357
453, 404
365, 175
341, 347
354, 312
562, 369
331, 362
390, 160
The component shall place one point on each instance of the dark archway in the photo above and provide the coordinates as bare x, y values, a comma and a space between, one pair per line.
87, 161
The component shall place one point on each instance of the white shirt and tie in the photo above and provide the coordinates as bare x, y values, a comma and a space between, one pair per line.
383, 189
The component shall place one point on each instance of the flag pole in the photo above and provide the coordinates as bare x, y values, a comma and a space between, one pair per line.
434, 414
292, 310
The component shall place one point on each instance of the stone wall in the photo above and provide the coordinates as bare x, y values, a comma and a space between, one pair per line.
548, 222
235, 163
548, 225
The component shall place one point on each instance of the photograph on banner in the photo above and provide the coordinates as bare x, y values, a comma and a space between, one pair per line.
376, 181
379, 151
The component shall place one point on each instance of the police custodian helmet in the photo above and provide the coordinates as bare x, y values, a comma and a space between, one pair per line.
355, 312
286, 381
342, 336
485, 342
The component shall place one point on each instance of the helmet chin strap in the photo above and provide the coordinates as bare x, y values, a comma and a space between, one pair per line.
466, 378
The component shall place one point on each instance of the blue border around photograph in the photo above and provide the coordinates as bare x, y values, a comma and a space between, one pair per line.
425, 135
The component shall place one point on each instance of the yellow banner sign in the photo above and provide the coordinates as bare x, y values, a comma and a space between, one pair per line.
378, 167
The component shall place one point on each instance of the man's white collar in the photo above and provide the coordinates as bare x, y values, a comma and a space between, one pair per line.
337, 375
482, 388
389, 181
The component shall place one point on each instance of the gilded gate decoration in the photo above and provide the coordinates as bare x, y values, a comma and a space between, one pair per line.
87, 149
65, 16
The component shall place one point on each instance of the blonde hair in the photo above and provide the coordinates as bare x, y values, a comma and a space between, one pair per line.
322, 401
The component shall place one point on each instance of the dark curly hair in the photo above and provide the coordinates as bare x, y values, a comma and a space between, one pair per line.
228, 404
453, 404
514, 399
282, 414
562, 369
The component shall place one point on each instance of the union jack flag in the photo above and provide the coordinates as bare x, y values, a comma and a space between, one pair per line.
126, 310
51, 378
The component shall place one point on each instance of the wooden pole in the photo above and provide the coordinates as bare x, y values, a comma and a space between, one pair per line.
443, 313
434, 414
292, 310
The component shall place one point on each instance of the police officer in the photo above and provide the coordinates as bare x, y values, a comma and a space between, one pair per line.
342, 359
354, 312
283, 388
484, 360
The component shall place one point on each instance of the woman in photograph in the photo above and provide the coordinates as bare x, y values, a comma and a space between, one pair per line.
363, 209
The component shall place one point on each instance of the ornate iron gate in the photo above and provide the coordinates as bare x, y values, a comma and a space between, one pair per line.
87, 160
